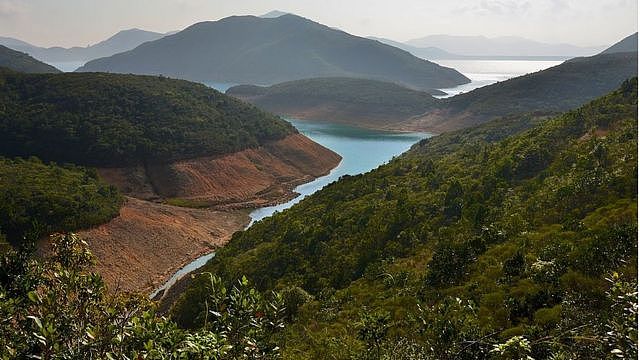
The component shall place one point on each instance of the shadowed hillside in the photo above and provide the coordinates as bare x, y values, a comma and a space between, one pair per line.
22, 62
628, 44
559, 88
377, 104
252, 50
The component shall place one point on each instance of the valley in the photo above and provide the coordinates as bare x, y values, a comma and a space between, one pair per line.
290, 187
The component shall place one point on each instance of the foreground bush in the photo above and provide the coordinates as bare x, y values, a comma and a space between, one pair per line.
54, 309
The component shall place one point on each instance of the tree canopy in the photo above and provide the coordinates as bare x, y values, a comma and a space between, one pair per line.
117, 120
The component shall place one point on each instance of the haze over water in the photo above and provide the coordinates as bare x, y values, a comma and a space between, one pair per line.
487, 72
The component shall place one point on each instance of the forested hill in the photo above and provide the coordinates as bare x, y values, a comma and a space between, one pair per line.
444, 253
364, 102
18, 61
117, 120
559, 88
253, 50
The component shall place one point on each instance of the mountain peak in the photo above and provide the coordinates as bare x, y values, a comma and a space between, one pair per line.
254, 50
274, 14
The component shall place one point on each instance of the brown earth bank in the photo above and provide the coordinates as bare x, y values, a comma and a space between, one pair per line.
246, 179
141, 248
149, 241
368, 115
438, 121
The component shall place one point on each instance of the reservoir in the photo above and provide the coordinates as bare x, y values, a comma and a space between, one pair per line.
361, 149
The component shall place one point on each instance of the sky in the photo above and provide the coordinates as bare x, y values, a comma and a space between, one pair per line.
84, 22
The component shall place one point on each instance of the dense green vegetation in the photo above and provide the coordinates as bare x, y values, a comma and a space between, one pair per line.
116, 120
18, 61
469, 246
55, 309
37, 199
253, 50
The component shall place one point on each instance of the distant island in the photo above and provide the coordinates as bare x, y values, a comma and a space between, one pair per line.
362, 102
254, 50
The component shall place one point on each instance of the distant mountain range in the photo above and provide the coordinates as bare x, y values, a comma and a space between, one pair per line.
630, 43
254, 50
18, 61
369, 103
432, 53
436, 53
122, 41
500, 46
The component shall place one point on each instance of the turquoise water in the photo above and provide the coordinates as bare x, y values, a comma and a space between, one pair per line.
361, 150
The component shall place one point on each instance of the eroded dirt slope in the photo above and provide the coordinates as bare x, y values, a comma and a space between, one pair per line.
249, 178
150, 240
140, 249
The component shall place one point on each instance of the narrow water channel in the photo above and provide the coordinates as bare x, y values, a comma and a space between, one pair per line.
361, 149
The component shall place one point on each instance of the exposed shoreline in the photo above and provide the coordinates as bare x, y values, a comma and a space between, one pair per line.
160, 292
150, 240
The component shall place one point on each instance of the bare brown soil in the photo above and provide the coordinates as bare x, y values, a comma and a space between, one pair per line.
149, 241
438, 121
142, 247
246, 179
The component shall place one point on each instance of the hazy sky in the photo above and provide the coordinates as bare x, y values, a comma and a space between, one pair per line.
83, 22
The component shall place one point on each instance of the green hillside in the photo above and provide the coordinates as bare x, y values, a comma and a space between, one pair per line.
116, 120
253, 50
501, 244
22, 62
37, 199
